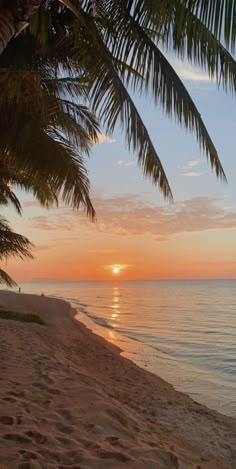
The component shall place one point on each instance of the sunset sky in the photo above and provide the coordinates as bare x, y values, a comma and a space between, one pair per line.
136, 229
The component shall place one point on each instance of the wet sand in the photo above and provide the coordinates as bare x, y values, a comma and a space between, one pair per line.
68, 399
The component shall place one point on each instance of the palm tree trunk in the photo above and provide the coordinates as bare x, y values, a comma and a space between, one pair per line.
14, 17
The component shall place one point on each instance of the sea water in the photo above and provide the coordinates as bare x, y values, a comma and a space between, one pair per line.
184, 331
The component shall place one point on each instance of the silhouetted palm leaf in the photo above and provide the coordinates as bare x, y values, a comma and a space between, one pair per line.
117, 44
47, 136
13, 244
6, 279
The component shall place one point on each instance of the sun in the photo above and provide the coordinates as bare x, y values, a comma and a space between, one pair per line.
116, 269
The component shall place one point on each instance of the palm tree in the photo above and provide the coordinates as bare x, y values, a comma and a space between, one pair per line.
45, 130
11, 244
83, 57
44, 136
117, 45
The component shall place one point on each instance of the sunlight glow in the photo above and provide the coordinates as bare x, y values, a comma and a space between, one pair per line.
116, 269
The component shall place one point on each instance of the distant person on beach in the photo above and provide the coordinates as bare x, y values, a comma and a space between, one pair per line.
19, 289
42, 294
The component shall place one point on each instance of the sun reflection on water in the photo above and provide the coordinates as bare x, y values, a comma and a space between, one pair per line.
115, 305
112, 335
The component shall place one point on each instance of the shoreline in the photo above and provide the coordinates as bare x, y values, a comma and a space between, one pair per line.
71, 398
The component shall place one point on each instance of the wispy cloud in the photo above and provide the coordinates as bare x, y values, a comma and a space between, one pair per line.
103, 138
192, 75
54, 223
194, 163
189, 73
129, 215
124, 163
192, 174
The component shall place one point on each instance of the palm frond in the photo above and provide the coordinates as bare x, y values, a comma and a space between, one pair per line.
7, 195
30, 136
167, 87
110, 98
219, 16
84, 56
6, 279
47, 156
13, 244
183, 32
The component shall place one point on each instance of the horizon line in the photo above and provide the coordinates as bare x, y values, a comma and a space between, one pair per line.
123, 280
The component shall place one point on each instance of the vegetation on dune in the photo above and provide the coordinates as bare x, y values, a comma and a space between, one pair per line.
18, 316
66, 65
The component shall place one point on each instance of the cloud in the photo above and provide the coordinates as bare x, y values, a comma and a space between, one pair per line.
46, 247
189, 165
192, 174
103, 138
192, 75
189, 73
53, 223
194, 163
124, 163
130, 215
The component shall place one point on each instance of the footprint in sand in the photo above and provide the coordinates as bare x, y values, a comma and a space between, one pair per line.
28, 455
116, 441
7, 420
113, 455
66, 442
17, 437
64, 428
53, 391
46, 388
9, 399
37, 437
16, 393
65, 413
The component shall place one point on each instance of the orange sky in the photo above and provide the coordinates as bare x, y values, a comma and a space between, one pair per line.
193, 239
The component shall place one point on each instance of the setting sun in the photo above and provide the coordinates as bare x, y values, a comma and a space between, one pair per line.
116, 269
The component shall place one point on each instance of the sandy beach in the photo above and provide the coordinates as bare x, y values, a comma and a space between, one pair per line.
69, 400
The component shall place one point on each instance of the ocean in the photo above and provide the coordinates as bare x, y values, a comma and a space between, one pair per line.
182, 330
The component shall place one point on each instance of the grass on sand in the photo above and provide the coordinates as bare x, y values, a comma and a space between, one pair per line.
18, 316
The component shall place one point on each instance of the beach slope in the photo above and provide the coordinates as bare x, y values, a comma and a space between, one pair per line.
68, 399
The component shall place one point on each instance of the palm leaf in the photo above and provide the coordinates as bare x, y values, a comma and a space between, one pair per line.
27, 139
167, 88
110, 98
64, 169
6, 279
13, 244
219, 16
7, 195
185, 33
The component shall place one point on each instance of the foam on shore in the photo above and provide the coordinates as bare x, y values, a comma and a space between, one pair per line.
68, 399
